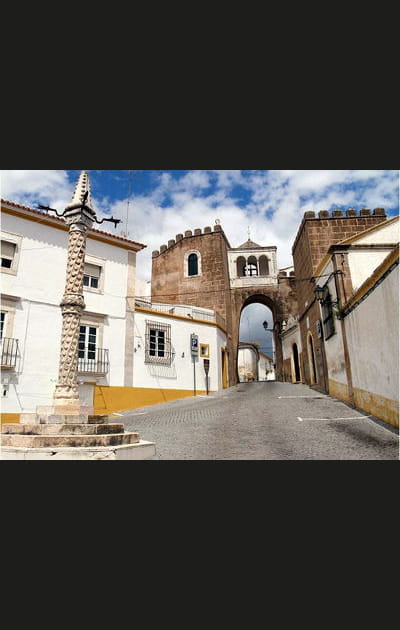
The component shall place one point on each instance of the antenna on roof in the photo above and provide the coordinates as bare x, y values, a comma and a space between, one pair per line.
248, 231
125, 233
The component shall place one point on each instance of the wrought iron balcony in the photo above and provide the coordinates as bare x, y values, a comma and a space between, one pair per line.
9, 353
93, 361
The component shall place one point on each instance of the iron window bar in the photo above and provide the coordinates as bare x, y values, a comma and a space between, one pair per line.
93, 361
158, 349
9, 352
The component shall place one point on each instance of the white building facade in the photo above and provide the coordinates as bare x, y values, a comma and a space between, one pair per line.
126, 359
266, 368
291, 350
248, 362
172, 365
33, 267
252, 262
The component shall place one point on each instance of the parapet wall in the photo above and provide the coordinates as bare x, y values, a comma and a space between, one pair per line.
348, 216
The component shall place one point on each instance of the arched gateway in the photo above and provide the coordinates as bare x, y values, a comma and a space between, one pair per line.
228, 280
280, 299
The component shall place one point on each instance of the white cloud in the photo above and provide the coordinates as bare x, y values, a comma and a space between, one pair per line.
33, 187
275, 202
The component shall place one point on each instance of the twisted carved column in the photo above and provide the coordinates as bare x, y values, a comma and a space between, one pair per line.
72, 305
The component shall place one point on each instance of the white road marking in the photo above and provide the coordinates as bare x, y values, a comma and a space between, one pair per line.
348, 418
122, 415
300, 419
301, 396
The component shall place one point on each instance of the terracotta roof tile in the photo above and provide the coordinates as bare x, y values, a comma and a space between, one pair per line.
57, 219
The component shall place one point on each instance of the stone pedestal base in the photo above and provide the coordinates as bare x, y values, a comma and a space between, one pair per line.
51, 435
139, 451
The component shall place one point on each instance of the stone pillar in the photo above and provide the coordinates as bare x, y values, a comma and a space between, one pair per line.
79, 219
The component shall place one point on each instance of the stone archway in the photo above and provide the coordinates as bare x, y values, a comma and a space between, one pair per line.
281, 299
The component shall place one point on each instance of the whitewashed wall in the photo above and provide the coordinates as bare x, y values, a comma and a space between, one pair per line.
372, 331
334, 345
266, 371
39, 285
289, 337
180, 374
386, 232
248, 364
237, 282
363, 263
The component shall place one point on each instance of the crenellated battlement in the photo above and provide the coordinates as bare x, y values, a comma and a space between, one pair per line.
337, 224
350, 212
188, 234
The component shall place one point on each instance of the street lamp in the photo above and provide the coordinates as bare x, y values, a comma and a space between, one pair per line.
265, 324
323, 296
319, 294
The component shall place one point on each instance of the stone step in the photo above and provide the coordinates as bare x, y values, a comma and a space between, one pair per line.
28, 418
62, 429
57, 441
63, 414
92, 419
139, 450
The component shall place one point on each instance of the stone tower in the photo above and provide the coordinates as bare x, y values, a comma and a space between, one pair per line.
209, 287
200, 268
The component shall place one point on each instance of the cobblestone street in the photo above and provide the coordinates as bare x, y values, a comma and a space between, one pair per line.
262, 421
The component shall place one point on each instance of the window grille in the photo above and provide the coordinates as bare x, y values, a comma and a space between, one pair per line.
158, 343
327, 314
2, 322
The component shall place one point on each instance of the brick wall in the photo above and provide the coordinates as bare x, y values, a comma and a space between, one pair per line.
208, 290
317, 233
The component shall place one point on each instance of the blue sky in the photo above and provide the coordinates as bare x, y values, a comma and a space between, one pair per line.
270, 203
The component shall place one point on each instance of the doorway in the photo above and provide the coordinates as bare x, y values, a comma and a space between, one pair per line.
224, 369
297, 376
311, 357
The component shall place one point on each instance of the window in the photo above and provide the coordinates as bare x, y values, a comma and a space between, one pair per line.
87, 343
205, 350
240, 266
2, 322
193, 265
92, 357
250, 270
327, 314
264, 266
7, 254
91, 277
158, 343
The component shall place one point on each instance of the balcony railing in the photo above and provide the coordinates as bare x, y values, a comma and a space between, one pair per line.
9, 353
190, 312
93, 361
